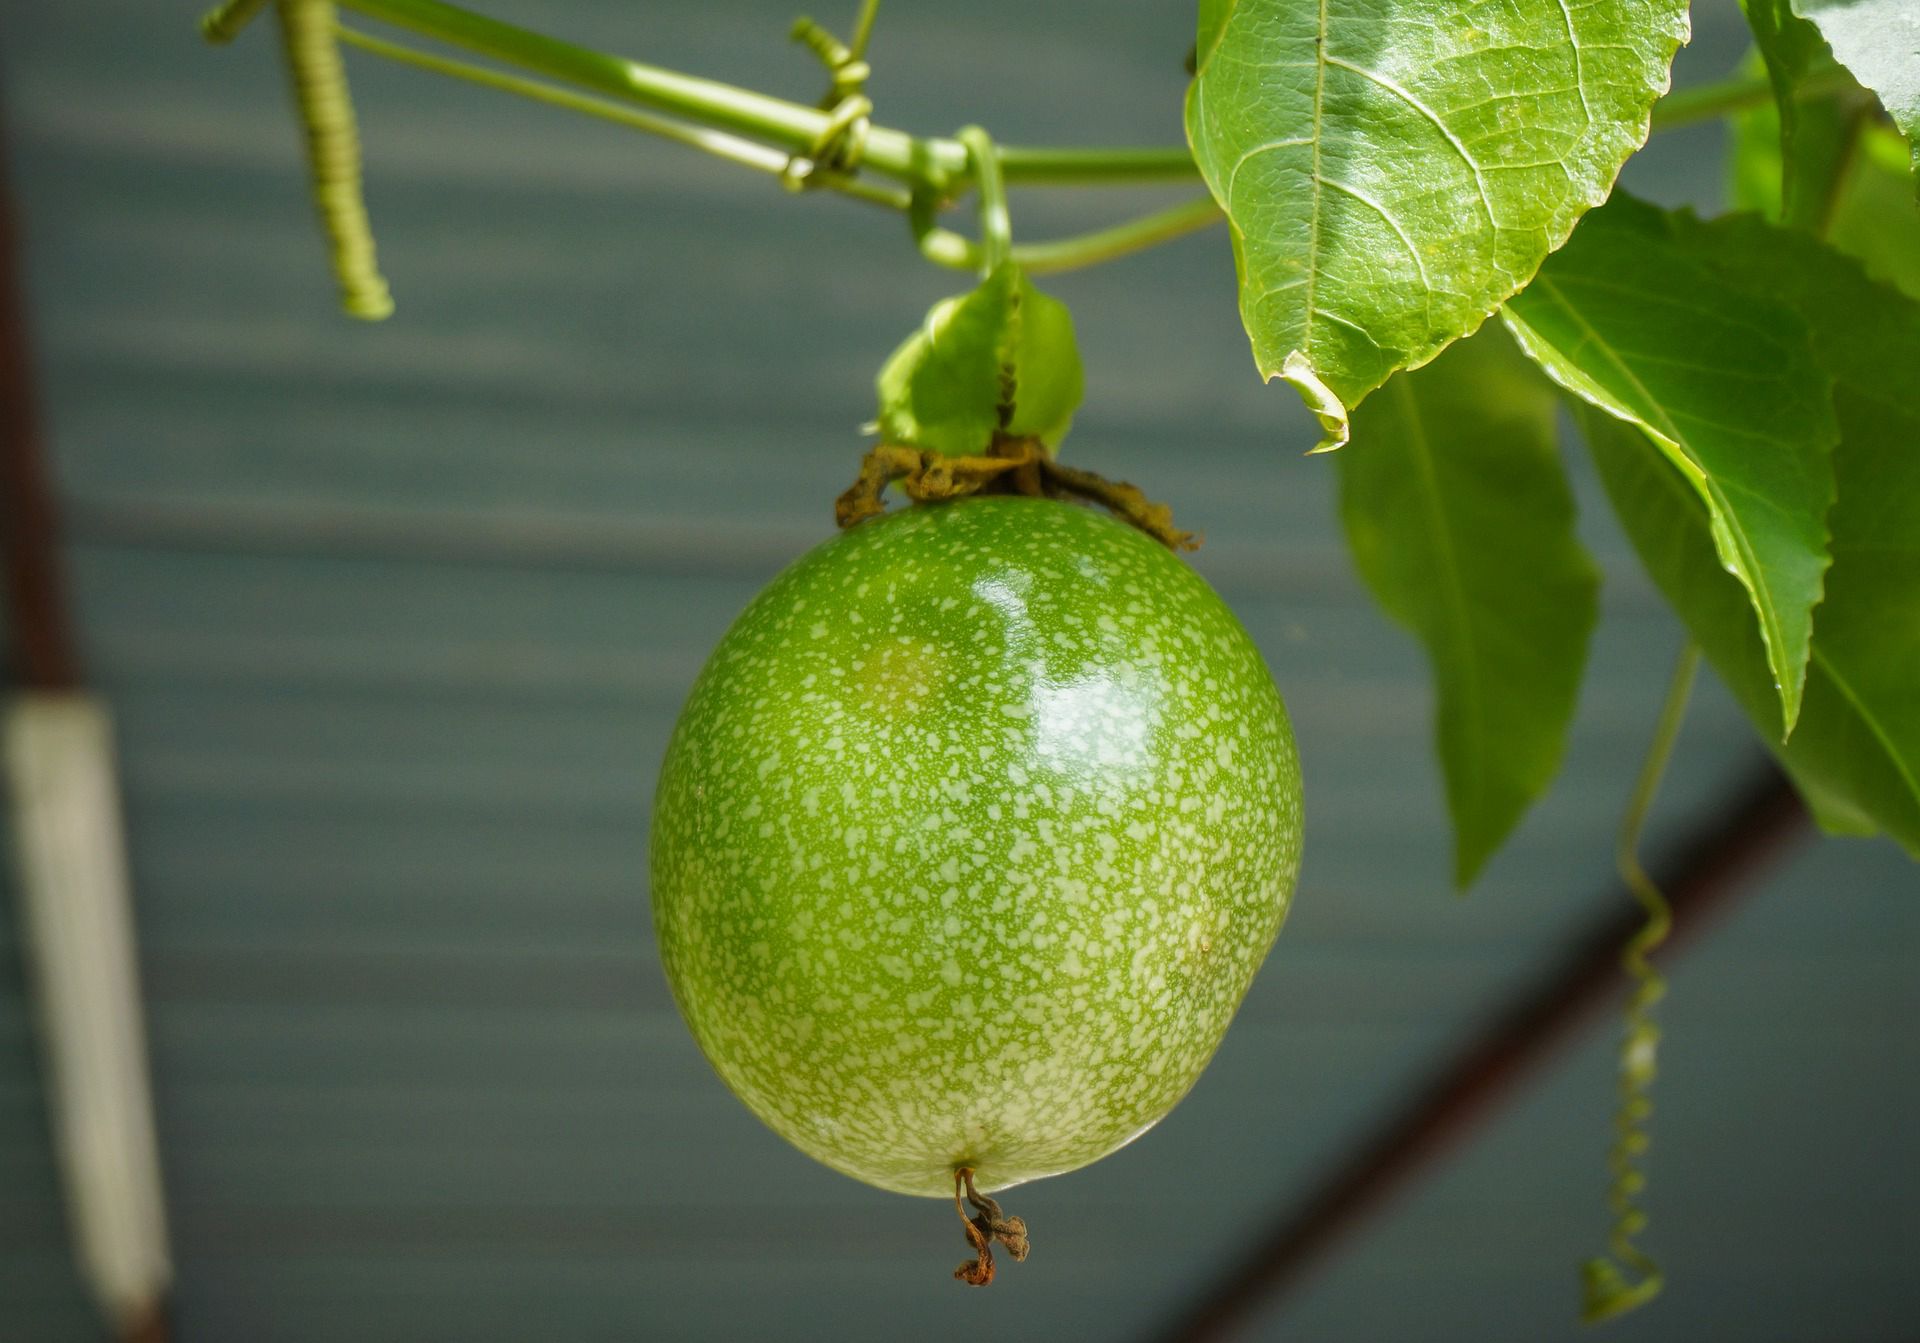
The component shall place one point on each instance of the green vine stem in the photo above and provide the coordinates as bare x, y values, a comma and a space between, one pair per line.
944, 247
791, 126
1031, 165
996, 224
1608, 1289
732, 148
829, 147
941, 246
931, 162
333, 152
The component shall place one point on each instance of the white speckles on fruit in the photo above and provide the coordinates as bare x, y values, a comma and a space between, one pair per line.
969, 842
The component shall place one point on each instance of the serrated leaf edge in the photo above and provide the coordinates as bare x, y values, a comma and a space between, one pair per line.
1297, 368
1846, 692
1732, 550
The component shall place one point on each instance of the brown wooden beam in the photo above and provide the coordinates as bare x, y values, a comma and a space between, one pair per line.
41, 637
37, 628
1710, 870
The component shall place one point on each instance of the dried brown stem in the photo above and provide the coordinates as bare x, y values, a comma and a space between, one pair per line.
987, 1225
1010, 466
1123, 500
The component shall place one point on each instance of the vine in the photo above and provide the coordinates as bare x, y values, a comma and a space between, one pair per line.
834, 147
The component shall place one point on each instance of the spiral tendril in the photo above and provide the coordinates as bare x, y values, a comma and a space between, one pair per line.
843, 140
836, 55
1608, 1289
333, 153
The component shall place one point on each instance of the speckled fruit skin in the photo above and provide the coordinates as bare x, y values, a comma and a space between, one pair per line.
970, 839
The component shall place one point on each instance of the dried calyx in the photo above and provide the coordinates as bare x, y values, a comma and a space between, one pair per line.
1009, 466
986, 1225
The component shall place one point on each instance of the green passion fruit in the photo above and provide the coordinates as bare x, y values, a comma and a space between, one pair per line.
969, 841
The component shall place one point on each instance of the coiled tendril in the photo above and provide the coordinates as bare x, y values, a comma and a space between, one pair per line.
308, 31
333, 152
309, 35
841, 143
1608, 1291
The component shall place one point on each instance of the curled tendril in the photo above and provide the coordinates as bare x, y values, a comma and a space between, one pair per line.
1608, 1289
848, 70
333, 152
842, 142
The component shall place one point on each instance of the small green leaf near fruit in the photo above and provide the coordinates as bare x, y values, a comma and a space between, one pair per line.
997, 360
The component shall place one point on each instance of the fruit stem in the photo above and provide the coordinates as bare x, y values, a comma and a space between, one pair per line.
996, 225
987, 1225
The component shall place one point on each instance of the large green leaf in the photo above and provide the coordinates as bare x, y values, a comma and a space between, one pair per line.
1723, 380
1879, 41
999, 359
1460, 520
1856, 751
1393, 171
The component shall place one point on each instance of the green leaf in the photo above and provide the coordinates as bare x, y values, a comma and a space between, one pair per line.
1879, 41
998, 360
1393, 172
1723, 380
1856, 751
1460, 521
